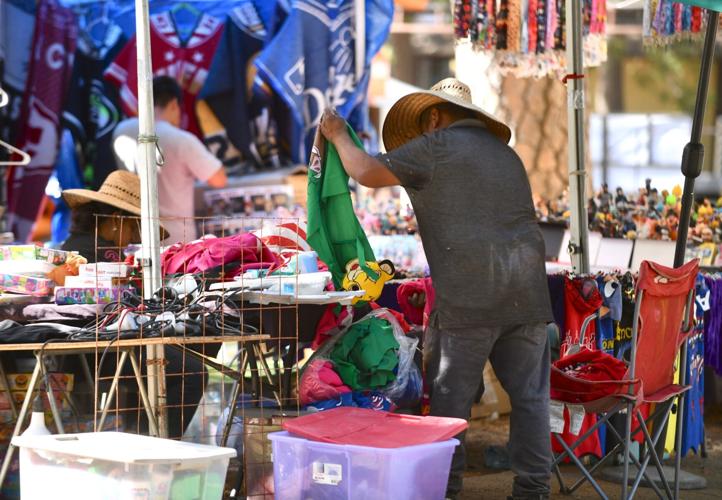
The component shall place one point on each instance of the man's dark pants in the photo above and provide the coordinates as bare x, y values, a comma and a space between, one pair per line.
454, 360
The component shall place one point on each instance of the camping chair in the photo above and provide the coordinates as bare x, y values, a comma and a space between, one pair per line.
663, 318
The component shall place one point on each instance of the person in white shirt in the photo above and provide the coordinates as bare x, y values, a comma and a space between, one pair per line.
187, 160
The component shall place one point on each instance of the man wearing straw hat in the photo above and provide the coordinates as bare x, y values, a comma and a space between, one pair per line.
474, 207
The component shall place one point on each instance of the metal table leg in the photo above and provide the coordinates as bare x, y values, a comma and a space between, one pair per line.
29, 396
113, 389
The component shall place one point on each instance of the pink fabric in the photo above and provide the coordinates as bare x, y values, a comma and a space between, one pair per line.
238, 254
320, 383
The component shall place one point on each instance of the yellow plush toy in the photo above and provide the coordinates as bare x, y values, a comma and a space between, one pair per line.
358, 279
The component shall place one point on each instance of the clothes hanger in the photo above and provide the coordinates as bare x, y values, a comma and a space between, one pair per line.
18, 163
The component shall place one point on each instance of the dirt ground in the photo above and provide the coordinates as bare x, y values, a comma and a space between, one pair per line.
483, 483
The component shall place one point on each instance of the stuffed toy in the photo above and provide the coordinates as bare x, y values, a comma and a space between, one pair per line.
357, 278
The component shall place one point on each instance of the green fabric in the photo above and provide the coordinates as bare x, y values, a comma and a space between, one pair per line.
333, 230
366, 356
706, 4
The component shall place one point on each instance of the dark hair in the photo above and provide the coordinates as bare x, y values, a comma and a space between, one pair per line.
166, 90
456, 112
86, 215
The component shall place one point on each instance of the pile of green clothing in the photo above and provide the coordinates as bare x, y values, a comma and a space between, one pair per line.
366, 357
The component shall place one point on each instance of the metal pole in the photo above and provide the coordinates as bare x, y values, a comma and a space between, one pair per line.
578, 228
150, 232
692, 159
360, 42
693, 155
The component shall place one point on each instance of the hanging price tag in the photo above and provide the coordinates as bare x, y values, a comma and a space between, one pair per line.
576, 418
556, 417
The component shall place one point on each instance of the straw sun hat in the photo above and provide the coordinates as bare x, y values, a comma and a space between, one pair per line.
403, 122
121, 190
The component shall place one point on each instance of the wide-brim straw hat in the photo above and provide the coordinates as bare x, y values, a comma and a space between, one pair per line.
403, 122
121, 190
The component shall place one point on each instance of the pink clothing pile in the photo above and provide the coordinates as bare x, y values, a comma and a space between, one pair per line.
236, 254
320, 383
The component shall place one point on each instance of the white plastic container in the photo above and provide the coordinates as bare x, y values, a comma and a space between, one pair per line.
119, 466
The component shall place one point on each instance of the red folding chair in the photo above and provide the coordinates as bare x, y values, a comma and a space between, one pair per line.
663, 319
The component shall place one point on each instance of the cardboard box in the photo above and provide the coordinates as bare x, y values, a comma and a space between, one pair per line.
32, 252
58, 381
19, 397
88, 282
101, 295
104, 270
26, 285
495, 398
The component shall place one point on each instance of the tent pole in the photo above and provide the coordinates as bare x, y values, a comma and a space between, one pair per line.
693, 155
578, 227
692, 160
360, 41
150, 232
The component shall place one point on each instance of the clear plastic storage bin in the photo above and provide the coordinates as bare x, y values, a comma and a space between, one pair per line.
118, 466
304, 469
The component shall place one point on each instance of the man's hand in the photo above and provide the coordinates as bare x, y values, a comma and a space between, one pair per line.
332, 125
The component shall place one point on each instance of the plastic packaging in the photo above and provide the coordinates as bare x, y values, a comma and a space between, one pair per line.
407, 389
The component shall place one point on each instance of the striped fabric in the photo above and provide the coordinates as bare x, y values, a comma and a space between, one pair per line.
286, 236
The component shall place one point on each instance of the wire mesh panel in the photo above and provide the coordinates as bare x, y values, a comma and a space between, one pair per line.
231, 330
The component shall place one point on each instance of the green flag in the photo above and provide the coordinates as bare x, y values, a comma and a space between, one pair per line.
333, 230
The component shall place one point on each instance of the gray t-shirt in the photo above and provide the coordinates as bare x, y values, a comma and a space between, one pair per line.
474, 207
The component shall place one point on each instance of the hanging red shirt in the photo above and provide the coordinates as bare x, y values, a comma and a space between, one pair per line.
187, 62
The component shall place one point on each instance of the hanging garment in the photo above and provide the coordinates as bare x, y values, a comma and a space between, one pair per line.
334, 232
556, 294
228, 90
365, 357
462, 18
186, 60
693, 426
47, 84
581, 299
67, 172
92, 108
17, 44
623, 337
607, 325
311, 63
713, 326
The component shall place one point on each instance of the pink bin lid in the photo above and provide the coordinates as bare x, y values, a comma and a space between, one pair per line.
377, 429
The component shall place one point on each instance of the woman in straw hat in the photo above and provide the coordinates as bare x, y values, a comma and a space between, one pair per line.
105, 221
473, 203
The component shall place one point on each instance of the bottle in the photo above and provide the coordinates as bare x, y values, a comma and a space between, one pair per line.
37, 420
